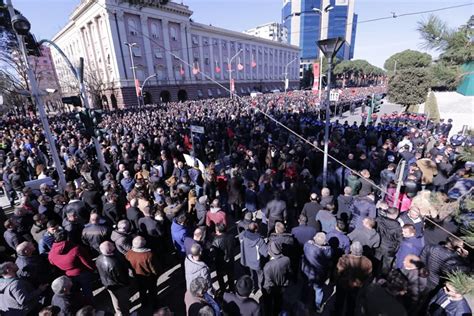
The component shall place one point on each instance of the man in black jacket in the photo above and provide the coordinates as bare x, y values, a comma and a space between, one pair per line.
95, 233
114, 276
286, 243
276, 274
390, 237
223, 255
240, 303
310, 210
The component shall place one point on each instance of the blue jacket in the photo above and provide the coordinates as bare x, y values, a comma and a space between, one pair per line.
251, 200
252, 249
361, 208
454, 308
409, 246
338, 240
178, 234
303, 233
316, 261
127, 184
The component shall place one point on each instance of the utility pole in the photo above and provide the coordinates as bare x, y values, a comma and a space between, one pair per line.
22, 27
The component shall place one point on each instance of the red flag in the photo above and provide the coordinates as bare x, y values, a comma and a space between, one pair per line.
316, 77
137, 88
196, 70
254, 63
218, 69
240, 67
181, 70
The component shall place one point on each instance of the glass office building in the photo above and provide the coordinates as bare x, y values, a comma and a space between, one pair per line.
306, 26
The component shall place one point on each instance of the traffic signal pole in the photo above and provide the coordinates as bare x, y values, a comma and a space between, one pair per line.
38, 99
85, 101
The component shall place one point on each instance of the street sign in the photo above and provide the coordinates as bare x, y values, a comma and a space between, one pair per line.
197, 129
334, 96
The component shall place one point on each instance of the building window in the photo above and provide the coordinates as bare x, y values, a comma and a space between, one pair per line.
206, 61
174, 34
132, 26
154, 30
137, 52
195, 40
160, 72
158, 53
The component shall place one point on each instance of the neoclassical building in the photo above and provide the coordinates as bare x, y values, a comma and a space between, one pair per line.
190, 59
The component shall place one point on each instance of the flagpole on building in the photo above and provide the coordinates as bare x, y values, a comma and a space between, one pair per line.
229, 65
136, 83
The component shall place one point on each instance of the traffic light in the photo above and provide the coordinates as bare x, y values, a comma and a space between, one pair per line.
377, 103
32, 47
74, 100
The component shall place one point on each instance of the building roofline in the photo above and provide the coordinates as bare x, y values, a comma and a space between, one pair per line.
222, 31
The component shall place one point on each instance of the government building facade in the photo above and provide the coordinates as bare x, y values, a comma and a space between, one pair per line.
182, 59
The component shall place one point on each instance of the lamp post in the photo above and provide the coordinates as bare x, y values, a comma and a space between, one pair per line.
79, 75
329, 47
229, 65
286, 73
22, 27
135, 80
144, 83
321, 13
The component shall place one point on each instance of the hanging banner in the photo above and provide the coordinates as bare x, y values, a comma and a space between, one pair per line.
137, 87
316, 77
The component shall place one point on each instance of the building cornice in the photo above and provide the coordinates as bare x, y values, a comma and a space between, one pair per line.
242, 36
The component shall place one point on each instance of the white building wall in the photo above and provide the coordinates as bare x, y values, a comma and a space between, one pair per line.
97, 34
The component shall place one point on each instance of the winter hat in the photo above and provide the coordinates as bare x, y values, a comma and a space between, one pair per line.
244, 286
356, 248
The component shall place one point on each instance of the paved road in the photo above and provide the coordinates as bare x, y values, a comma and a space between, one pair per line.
385, 108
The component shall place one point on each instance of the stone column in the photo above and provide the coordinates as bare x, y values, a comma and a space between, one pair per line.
148, 54
166, 43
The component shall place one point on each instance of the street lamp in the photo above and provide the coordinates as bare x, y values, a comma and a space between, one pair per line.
329, 47
286, 73
135, 80
321, 13
22, 28
20, 24
229, 66
144, 83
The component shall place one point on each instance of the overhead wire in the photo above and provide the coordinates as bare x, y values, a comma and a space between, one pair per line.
305, 140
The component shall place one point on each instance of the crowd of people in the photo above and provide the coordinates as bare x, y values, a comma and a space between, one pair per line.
237, 220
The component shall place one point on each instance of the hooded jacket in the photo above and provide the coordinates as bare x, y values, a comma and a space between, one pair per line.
194, 269
70, 258
17, 297
252, 249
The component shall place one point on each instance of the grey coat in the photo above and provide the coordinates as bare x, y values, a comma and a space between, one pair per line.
17, 297
194, 269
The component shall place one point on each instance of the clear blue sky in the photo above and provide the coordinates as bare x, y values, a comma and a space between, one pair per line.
375, 41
